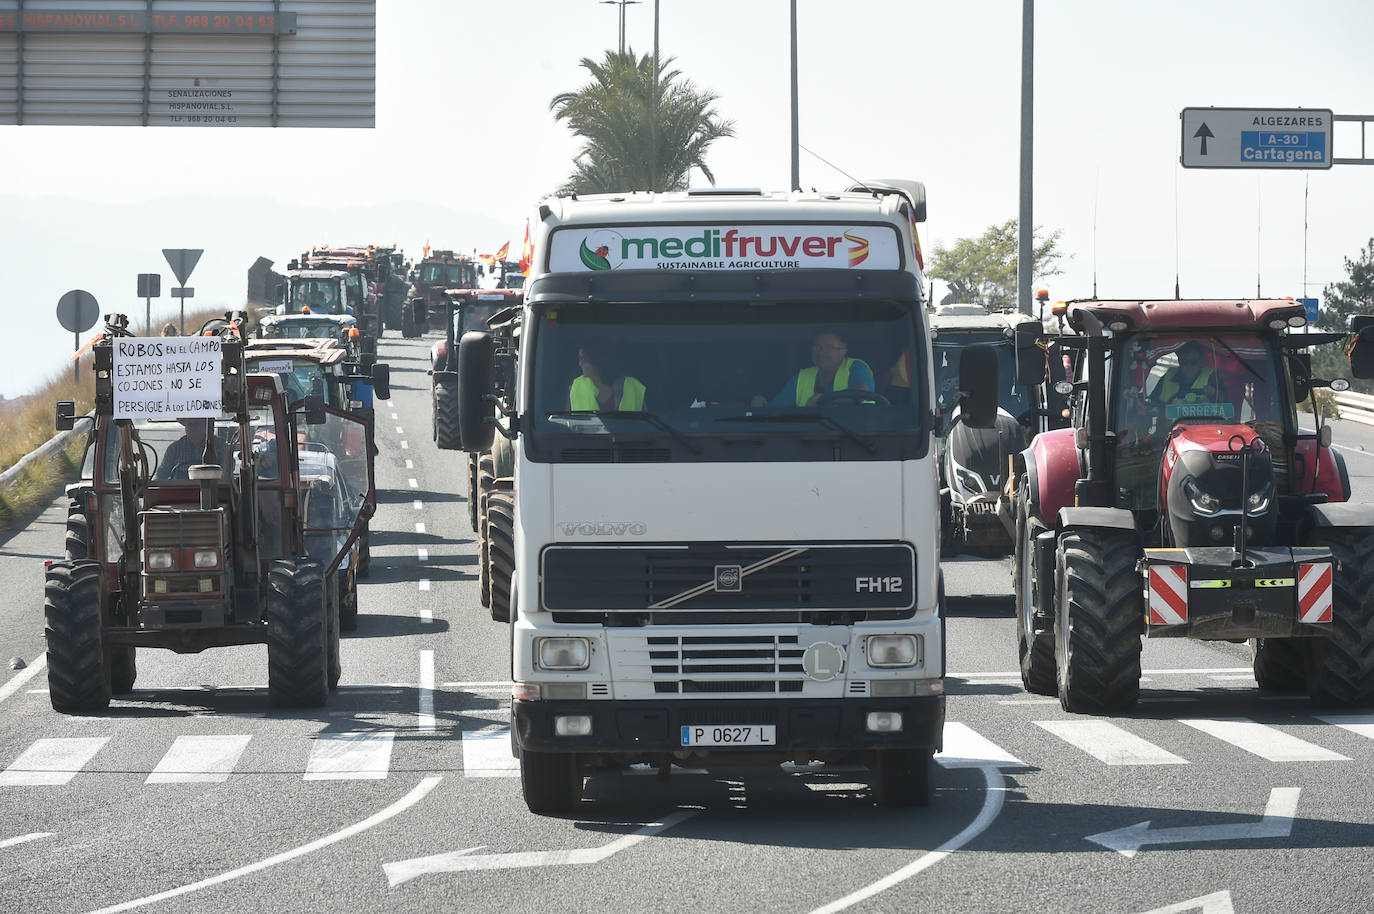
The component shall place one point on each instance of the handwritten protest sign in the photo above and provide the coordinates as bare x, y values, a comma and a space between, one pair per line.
172, 377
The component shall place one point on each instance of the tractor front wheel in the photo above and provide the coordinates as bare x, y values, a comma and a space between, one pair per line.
1340, 668
297, 634
1100, 612
1035, 649
78, 672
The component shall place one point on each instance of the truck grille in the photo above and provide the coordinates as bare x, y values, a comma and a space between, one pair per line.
709, 583
164, 529
757, 665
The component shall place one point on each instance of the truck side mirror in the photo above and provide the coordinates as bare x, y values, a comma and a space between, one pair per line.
381, 381
476, 414
66, 415
1030, 358
978, 386
1362, 348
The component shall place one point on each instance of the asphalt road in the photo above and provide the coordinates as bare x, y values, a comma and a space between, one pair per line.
195, 794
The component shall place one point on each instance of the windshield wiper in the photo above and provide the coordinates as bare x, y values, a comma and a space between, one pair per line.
1235, 355
651, 418
808, 417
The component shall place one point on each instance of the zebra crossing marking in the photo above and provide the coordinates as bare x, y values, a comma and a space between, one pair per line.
1264, 741
199, 760
486, 754
52, 762
1109, 743
356, 755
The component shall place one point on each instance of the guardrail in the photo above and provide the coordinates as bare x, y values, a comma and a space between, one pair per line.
37, 478
1355, 407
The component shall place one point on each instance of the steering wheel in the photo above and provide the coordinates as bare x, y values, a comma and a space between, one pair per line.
852, 396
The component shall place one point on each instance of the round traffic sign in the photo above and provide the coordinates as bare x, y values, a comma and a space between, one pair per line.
77, 311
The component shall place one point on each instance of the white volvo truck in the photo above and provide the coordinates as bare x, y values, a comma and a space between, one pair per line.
721, 560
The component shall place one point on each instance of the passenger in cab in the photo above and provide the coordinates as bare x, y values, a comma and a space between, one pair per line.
832, 370
602, 386
1192, 381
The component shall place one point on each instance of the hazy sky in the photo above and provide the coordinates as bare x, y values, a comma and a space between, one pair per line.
888, 88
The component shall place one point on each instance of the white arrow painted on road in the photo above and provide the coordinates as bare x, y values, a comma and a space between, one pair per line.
465, 861
1215, 903
1277, 823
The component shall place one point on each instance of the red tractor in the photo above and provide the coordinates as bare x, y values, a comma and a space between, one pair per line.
1185, 502
221, 528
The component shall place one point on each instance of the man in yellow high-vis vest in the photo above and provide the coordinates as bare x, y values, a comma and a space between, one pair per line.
832, 370
1192, 381
601, 387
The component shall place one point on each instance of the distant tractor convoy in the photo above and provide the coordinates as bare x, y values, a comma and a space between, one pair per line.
731, 560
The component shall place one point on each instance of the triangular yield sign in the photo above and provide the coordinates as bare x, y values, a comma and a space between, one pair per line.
182, 261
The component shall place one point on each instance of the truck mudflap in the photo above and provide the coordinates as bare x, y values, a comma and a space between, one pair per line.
645, 730
1203, 593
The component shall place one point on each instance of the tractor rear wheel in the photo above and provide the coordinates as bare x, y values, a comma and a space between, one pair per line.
333, 609
446, 416
78, 674
1035, 649
1097, 636
500, 551
1340, 668
348, 606
1279, 663
78, 533
550, 781
297, 634
409, 325
472, 492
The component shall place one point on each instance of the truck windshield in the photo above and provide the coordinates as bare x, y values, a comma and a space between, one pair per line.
1161, 380
726, 381
946, 350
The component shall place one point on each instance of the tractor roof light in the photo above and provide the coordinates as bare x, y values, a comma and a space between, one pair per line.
1297, 320
1118, 326
1278, 323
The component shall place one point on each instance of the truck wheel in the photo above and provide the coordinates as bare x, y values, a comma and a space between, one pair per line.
1340, 668
78, 533
348, 605
297, 634
550, 781
500, 551
1097, 635
1036, 650
1279, 663
78, 676
446, 416
902, 777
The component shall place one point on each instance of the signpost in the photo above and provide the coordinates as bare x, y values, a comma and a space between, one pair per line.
77, 311
1256, 138
1311, 305
182, 261
149, 288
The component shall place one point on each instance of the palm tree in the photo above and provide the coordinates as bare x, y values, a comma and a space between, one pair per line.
636, 138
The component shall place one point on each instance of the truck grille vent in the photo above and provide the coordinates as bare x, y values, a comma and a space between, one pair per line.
169, 529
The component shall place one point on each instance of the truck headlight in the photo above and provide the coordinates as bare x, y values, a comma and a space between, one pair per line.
891, 650
563, 653
1202, 502
205, 558
159, 561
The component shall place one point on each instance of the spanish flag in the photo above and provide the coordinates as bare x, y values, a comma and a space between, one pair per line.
503, 252
526, 252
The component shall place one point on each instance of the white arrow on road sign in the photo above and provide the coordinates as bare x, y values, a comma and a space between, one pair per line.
1215, 903
463, 861
1277, 823
182, 261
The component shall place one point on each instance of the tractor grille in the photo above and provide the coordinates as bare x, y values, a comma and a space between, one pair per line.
168, 529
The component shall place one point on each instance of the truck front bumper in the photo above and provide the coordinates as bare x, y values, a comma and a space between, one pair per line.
804, 728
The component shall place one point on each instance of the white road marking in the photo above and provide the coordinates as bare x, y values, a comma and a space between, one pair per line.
418, 505
400, 431
426, 617
355, 756
1109, 743
405, 445
395, 416
425, 718
418, 793
22, 839
51, 762
503, 683
199, 760
465, 861
1028, 701
993, 799
966, 749
486, 754
16, 682
414, 483
410, 464
419, 528
423, 553
1264, 741
424, 583
1276, 823
1359, 724
1215, 903
1233, 677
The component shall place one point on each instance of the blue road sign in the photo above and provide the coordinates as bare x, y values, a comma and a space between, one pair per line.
1311, 305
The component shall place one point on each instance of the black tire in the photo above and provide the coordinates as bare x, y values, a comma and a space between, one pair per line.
472, 491
410, 328
901, 777
1279, 663
483, 555
348, 606
365, 551
1035, 650
78, 674
78, 545
500, 551
333, 617
1340, 668
550, 781
297, 635
446, 416
1100, 612
123, 663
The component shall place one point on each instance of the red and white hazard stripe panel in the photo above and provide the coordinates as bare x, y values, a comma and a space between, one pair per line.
1314, 592
1168, 594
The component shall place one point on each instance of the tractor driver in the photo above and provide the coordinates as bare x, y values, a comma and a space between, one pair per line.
1192, 381
185, 452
